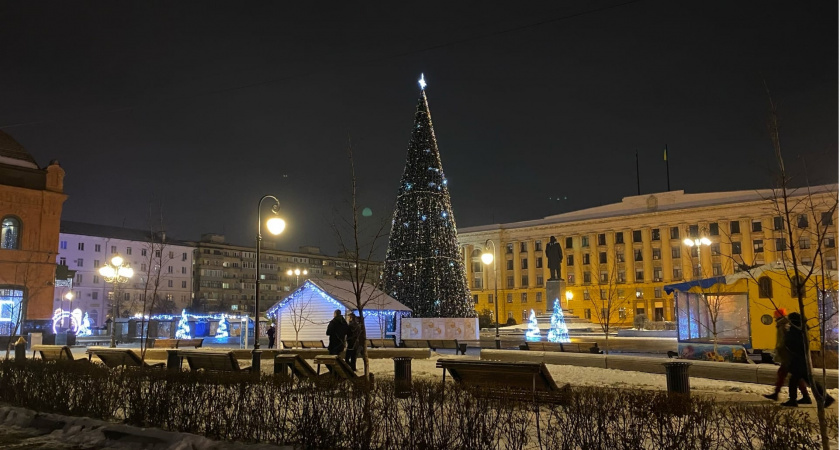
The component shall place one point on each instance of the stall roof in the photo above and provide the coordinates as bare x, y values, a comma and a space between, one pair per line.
703, 284
342, 292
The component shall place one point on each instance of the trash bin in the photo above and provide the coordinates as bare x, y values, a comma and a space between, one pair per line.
402, 376
61, 338
676, 375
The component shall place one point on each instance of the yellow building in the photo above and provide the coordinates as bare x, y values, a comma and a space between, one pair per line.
625, 253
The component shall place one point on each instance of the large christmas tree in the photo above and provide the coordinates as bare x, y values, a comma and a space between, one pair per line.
423, 267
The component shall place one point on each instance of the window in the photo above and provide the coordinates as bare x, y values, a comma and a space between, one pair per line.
657, 292
489, 298
831, 262
142, 251
510, 298
587, 277
96, 279
677, 273
95, 263
602, 239
694, 231
587, 314
510, 282
715, 248
524, 263
619, 256
622, 314
637, 235
539, 262
183, 284
184, 256
169, 269
826, 219
736, 248
758, 245
619, 237
477, 281
602, 257
734, 227
756, 226
539, 297
62, 244
172, 254
62, 261
524, 315
476, 266
584, 241
675, 232
509, 264
640, 275
157, 253
657, 254
605, 277
829, 241
657, 273
114, 249
675, 252
78, 278
570, 260
586, 294
586, 258
81, 246
169, 283
802, 221
621, 277
714, 230
510, 315
80, 262
765, 287
128, 250
781, 243
568, 242
523, 247
637, 254
804, 242
538, 246
523, 298
524, 280
540, 280
603, 294
778, 223
717, 270
654, 234
94, 295
143, 267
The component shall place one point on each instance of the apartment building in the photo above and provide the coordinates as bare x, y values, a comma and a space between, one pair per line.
85, 248
632, 249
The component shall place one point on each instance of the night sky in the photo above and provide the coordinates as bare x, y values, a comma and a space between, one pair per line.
538, 107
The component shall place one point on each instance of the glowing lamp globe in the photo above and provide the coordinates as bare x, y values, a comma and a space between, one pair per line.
688, 242
125, 272
68, 296
117, 260
705, 241
276, 225
569, 295
487, 258
107, 271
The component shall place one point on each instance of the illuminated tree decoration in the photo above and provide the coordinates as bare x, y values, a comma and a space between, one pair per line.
423, 266
533, 334
84, 328
183, 331
222, 329
558, 331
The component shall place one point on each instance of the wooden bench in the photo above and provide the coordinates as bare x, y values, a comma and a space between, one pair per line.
337, 366
382, 343
175, 343
414, 343
120, 357
312, 344
573, 347
294, 364
54, 353
291, 344
434, 344
214, 361
504, 377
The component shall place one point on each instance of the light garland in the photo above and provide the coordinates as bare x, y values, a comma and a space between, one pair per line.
183, 331
558, 331
533, 334
222, 329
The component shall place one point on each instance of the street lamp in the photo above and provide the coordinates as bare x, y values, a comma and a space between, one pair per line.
569, 297
698, 242
487, 258
69, 297
116, 271
297, 273
275, 226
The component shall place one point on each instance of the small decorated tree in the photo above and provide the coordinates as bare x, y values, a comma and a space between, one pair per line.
533, 334
183, 331
558, 331
222, 329
84, 328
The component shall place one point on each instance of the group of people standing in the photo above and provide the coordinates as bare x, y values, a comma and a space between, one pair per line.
344, 337
790, 355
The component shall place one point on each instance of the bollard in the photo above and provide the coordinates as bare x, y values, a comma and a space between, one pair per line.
20, 350
173, 361
676, 375
255, 361
402, 377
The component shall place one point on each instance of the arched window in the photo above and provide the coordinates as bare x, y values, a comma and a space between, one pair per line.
10, 234
765, 287
797, 283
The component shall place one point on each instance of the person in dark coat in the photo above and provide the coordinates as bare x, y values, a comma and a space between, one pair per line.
554, 255
271, 333
798, 366
782, 356
337, 331
354, 330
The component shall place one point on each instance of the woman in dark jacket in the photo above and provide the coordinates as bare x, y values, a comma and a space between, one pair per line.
798, 365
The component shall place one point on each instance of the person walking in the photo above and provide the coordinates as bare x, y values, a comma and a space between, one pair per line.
798, 366
354, 330
271, 333
337, 331
782, 357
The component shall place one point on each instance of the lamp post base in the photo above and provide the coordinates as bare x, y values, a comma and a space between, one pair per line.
498, 343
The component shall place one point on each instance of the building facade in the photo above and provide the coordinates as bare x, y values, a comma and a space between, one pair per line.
31, 201
224, 273
625, 253
155, 259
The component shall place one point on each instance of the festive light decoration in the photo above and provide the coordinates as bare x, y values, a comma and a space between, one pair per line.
558, 331
74, 318
84, 328
183, 331
533, 334
423, 266
222, 329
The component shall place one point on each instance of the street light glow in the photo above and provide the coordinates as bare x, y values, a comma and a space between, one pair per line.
487, 258
276, 225
569, 295
107, 271
68, 296
116, 260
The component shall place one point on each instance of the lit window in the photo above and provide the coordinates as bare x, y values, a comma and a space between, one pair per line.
10, 238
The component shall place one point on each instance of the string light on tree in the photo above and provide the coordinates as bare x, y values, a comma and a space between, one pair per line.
423, 266
558, 332
533, 334
222, 329
183, 331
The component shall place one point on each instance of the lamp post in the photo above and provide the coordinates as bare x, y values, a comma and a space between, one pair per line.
297, 273
116, 271
275, 226
69, 297
698, 242
488, 258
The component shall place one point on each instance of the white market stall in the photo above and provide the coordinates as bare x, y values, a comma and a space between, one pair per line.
304, 314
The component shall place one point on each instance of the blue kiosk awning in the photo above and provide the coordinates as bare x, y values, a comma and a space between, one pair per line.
702, 284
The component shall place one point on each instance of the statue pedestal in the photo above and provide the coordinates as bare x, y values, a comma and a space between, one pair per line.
555, 290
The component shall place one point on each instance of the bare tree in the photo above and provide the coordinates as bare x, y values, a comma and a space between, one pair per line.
611, 303
299, 310
152, 277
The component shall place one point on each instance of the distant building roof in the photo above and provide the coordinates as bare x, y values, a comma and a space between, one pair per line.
13, 154
342, 292
656, 202
108, 231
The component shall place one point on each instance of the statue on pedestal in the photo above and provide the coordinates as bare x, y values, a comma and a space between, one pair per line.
555, 256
